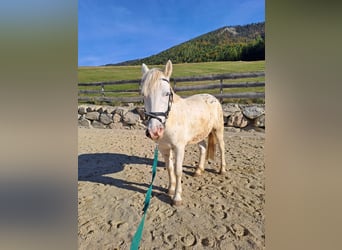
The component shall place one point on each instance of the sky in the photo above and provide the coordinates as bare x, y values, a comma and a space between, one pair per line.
113, 31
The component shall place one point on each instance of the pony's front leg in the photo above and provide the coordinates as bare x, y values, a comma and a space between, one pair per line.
168, 158
179, 152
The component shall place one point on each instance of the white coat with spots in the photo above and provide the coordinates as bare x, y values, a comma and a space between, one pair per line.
175, 122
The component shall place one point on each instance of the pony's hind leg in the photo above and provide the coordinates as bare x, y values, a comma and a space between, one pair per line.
200, 168
219, 136
168, 158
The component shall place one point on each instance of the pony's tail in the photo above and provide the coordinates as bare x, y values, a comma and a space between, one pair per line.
211, 146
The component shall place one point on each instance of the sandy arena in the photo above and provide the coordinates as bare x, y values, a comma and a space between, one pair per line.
218, 211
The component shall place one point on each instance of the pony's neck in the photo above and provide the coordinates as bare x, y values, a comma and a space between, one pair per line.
176, 97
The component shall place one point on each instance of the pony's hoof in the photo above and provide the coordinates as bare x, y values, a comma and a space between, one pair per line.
177, 203
223, 171
197, 173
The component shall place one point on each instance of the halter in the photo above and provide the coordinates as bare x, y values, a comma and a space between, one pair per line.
154, 115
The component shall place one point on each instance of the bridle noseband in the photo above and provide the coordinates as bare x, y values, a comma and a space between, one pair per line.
155, 115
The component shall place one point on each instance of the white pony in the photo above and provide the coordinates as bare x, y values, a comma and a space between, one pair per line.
174, 122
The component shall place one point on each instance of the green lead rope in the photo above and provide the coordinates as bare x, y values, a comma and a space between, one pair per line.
137, 236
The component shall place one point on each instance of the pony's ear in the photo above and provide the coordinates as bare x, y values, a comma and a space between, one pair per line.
144, 68
168, 69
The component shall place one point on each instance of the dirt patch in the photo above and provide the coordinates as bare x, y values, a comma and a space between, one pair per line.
218, 212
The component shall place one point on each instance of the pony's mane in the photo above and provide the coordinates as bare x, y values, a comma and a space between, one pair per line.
150, 81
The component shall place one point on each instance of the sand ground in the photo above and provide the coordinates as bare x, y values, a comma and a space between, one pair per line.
218, 211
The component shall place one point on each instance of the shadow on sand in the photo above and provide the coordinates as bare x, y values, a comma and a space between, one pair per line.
95, 167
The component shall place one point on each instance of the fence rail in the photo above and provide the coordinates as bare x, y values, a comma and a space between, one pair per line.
102, 92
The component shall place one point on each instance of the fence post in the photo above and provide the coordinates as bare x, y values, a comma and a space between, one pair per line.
174, 86
221, 89
102, 90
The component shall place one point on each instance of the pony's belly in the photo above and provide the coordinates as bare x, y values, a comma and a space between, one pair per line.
196, 138
171, 139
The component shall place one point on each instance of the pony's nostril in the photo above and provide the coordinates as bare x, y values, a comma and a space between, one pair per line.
160, 130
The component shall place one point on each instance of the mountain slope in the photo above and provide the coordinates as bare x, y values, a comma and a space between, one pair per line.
230, 43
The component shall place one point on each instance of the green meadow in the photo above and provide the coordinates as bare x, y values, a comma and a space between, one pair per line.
115, 73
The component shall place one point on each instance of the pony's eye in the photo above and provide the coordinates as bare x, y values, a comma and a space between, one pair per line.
167, 93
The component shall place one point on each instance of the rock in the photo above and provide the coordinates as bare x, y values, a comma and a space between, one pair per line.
141, 112
92, 115
82, 110
116, 118
260, 121
110, 110
97, 124
84, 123
235, 116
229, 109
130, 118
237, 120
106, 119
121, 111
253, 112
91, 108
99, 109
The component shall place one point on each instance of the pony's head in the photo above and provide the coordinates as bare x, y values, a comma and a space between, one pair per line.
157, 94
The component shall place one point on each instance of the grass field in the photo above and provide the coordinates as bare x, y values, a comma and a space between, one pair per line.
115, 73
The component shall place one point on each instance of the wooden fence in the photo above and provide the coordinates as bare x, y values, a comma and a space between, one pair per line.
100, 94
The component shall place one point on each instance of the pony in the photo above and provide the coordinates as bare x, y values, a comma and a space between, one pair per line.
174, 122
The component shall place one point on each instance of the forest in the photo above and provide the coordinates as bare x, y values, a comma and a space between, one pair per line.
230, 43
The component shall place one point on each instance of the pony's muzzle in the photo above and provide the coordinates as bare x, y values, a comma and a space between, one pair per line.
155, 132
